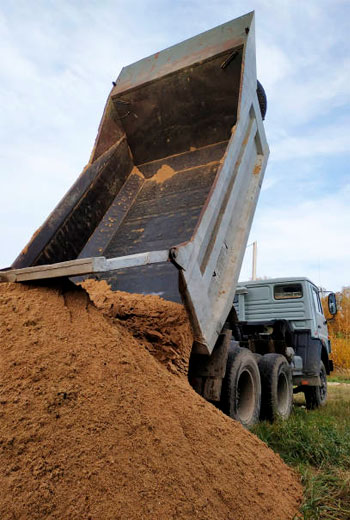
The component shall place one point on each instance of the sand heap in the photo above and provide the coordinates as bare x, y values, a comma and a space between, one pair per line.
94, 427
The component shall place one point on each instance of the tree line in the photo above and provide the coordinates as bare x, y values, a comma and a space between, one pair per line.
339, 329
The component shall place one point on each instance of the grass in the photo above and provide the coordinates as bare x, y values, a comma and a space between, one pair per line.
339, 379
340, 376
317, 444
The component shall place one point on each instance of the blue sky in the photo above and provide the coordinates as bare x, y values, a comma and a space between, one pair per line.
58, 59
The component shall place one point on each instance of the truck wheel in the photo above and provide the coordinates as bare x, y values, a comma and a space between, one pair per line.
241, 387
276, 387
262, 99
316, 396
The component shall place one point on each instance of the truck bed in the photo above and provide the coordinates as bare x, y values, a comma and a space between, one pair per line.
177, 166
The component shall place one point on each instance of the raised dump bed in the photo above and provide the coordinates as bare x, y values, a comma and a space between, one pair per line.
176, 168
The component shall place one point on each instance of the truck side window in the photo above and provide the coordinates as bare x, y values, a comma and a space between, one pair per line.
289, 291
317, 301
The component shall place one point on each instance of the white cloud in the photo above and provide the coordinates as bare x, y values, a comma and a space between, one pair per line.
310, 239
273, 64
303, 52
303, 96
323, 140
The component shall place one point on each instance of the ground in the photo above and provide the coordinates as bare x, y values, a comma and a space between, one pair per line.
317, 444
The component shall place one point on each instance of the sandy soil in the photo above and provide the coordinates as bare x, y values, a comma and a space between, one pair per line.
93, 427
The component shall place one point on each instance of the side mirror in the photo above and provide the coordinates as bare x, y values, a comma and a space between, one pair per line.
332, 304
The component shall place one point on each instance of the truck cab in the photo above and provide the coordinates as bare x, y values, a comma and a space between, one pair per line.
285, 315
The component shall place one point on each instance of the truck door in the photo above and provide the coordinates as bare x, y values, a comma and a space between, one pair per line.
321, 330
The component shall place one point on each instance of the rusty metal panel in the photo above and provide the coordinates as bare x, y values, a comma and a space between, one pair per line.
190, 109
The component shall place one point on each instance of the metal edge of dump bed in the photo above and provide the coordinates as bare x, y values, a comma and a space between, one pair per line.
82, 266
211, 262
194, 50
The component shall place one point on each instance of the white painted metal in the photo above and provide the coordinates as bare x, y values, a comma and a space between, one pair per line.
256, 302
152, 257
82, 266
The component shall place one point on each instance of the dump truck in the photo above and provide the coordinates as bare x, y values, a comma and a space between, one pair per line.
166, 202
282, 321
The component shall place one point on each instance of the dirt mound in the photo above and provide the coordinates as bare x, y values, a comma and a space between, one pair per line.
159, 325
93, 427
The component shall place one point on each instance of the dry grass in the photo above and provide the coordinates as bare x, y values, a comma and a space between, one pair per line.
338, 392
341, 353
339, 330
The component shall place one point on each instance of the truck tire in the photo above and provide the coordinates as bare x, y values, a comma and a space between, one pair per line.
262, 99
241, 387
316, 396
276, 387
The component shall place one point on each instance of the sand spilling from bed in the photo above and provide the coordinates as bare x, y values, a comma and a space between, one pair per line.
162, 327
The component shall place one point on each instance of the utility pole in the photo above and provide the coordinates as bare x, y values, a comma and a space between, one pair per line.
255, 254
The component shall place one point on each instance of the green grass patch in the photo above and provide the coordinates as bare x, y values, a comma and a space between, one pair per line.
339, 378
317, 444
307, 437
327, 494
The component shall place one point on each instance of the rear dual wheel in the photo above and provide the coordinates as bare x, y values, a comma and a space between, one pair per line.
241, 388
277, 387
256, 387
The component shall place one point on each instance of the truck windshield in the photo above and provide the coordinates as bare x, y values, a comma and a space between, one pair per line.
290, 291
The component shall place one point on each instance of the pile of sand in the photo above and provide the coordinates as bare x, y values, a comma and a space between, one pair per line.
93, 427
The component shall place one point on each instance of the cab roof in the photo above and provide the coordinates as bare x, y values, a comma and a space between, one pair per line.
276, 280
